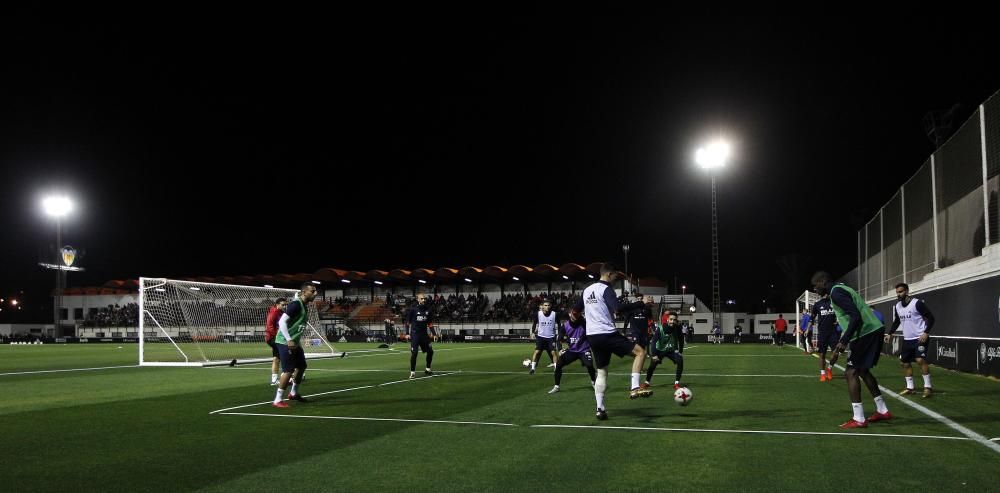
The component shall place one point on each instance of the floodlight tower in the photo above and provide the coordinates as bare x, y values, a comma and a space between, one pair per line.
58, 207
712, 158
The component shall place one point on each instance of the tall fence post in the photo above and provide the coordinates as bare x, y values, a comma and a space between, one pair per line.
934, 210
986, 193
902, 211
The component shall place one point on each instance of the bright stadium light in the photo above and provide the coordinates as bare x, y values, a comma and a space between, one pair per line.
345, 281
468, 280
315, 282
421, 281
590, 276
378, 282
515, 278
57, 205
712, 156
566, 277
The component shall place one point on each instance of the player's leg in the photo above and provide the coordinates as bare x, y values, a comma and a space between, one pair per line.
274, 362
640, 357
678, 360
588, 363
561, 362
287, 366
535, 355
299, 359
654, 361
428, 350
601, 357
925, 371
553, 355
907, 354
414, 347
881, 410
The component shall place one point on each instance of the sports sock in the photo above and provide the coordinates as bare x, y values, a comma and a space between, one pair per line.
909, 383
880, 405
859, 412
927, 381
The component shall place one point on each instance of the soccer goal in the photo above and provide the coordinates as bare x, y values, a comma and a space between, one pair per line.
186, 323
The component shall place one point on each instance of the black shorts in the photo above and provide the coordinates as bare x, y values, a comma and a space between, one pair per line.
866, 350
421, 341
827, 340
545, 343
290, 360
274, 348
640, 338
602, 346
912, 350
670, 355
570, 356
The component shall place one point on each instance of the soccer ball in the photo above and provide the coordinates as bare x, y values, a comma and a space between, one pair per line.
526, 363
683, 396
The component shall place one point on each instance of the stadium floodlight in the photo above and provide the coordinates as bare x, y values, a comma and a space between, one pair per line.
515, 278
566, 277
468, 280
315, 282
713, 156
378, 282
345, 281
57, 206
421, 281
13, 302
590, 276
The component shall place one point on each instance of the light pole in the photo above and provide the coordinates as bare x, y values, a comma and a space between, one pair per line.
625, 248
58, 207
712, 158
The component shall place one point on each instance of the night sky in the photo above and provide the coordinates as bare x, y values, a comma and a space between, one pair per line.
280, 143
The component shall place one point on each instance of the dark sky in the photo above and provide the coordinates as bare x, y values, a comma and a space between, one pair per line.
262, 143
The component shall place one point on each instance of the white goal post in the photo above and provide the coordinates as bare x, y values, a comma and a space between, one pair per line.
187, 323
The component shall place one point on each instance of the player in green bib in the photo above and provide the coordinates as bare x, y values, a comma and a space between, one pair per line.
863, 334
666, 344
290, 328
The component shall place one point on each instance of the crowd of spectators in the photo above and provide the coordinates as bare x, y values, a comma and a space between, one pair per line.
518, 307
114, 316
24, 339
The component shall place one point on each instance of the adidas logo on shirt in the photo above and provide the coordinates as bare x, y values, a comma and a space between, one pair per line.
592, 298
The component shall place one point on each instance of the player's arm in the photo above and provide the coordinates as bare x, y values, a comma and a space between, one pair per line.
534, 326
813, 315
928, 317
843, 300
895, 323
283, 328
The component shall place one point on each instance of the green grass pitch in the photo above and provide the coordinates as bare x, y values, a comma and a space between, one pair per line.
481, 424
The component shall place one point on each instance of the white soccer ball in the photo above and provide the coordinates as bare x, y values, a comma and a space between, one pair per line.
683, 396
526, 363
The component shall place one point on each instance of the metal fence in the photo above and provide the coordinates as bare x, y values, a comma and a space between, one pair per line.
944, 214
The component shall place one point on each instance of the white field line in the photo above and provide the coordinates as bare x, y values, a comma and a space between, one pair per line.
69, 369
592, 427
941, 418
338, 391
483, 372
353, 418
761, 432
380, 352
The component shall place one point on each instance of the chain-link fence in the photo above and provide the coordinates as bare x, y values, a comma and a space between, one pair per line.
943, 215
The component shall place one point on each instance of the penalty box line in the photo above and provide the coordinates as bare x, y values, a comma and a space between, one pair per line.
339, 391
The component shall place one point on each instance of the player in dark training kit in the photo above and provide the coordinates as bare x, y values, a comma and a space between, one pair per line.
638, 316
271, 331
419, 321
864, 334
574, 331
666, 344
825, 321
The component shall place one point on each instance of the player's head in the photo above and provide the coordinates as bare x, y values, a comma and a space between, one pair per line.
609, 272
575, 319
307, 292
422, 299
546, 306
821, 282
902, 290
671, 318
281, 303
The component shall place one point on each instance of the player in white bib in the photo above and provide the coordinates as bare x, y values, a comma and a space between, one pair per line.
916, 319
543, 329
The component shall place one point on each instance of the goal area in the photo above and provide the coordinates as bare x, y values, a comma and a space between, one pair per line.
187, 323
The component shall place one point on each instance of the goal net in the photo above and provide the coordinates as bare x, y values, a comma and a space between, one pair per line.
186, 323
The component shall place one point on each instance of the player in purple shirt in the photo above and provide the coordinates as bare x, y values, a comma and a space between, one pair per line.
574, 331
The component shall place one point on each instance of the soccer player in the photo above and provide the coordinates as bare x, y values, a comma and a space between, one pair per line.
825, 320
574, 330
418, 321
638, 315
665, 345
717, 334
780, 326
598, 305
805, 331
270, 331
543, 329
864, 334
293, 358
917, 321
739, 334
